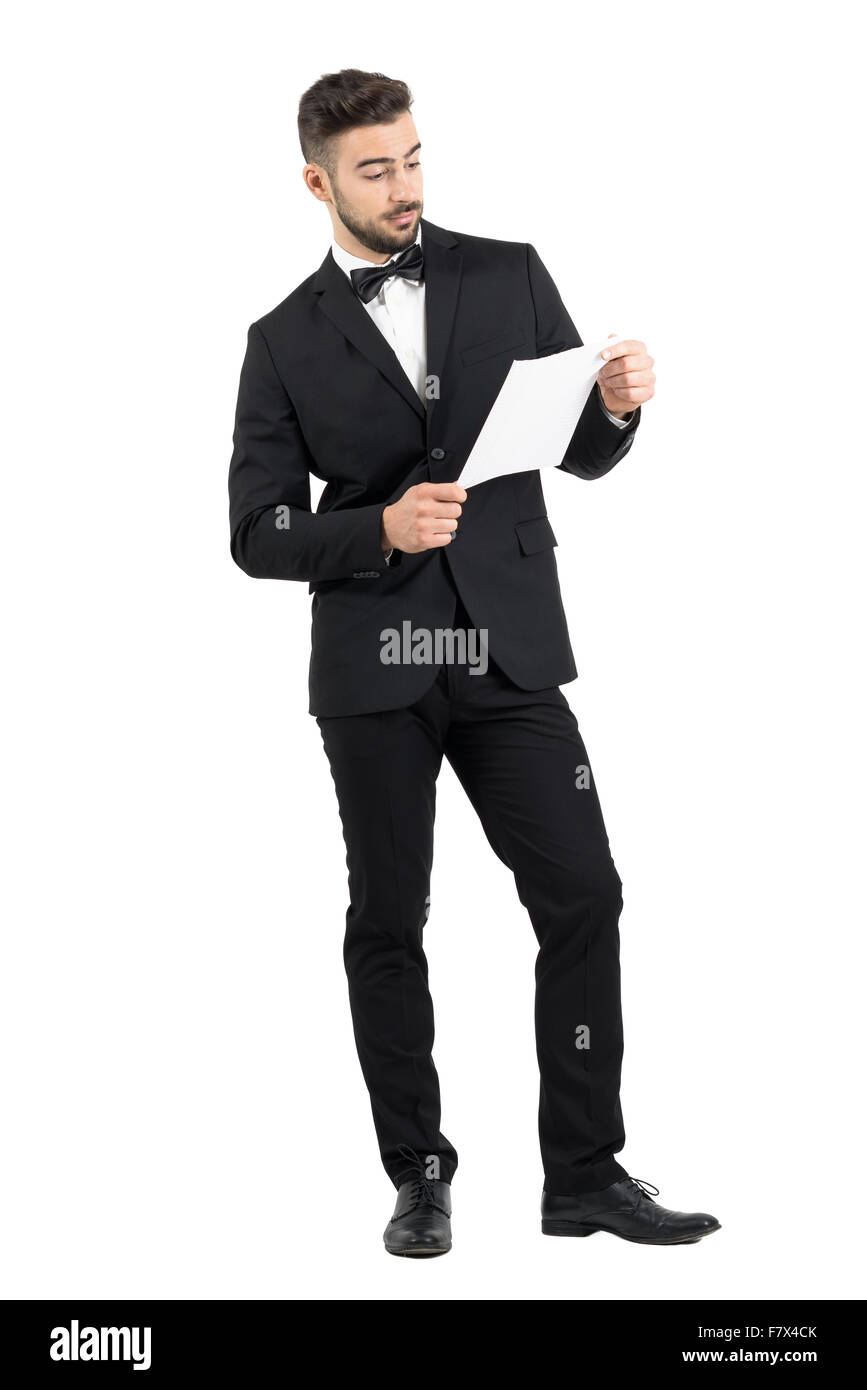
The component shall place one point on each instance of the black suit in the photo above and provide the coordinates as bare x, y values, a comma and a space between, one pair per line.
323, 393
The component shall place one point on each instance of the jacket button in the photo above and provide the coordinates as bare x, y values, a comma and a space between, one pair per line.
437, 453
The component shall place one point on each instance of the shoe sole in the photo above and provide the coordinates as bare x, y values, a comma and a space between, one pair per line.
422, 1252
571, 1228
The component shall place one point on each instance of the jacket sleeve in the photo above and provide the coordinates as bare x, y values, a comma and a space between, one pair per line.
273, 533
597, 444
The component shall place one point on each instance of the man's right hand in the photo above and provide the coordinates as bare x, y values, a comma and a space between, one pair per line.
424, 518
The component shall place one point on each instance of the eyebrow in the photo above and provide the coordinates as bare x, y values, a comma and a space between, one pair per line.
383, 159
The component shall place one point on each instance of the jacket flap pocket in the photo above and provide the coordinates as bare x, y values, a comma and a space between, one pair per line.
509, 338
536, 534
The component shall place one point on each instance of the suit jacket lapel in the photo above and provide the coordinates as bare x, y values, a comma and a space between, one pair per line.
443, 264
340, 303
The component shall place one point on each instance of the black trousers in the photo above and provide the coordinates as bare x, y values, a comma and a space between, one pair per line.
519, 756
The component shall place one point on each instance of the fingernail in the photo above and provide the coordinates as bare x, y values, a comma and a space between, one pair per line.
606, 352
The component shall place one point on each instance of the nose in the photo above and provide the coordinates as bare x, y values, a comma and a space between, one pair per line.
402, 188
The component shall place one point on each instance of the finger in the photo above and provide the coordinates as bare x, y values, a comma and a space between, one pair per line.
631, 396
622, 349
618, 365
627, 397
617, 380
431, 506
445, 492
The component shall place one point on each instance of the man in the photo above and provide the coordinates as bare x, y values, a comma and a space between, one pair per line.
376, 375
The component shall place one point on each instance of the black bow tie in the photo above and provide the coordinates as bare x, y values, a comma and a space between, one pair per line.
368, 283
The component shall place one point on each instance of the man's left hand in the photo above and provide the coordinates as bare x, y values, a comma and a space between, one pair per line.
627, 380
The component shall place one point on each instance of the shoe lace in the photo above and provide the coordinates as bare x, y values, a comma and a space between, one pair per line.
641, 1187
423, 1190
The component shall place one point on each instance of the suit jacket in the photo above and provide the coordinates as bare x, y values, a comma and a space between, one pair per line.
321, 392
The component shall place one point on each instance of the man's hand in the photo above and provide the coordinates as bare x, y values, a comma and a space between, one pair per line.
627, 379
424, 518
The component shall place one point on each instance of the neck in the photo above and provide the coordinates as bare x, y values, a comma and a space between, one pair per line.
348, 243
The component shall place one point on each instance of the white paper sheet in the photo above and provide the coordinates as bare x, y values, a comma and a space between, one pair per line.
535, 414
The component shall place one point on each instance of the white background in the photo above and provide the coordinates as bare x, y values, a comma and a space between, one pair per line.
183, 1111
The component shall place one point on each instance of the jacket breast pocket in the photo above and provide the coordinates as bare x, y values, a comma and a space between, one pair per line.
535, 535
503, 342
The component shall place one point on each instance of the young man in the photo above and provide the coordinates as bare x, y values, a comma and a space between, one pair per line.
376, 375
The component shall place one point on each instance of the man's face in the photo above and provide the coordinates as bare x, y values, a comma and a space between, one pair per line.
378, 182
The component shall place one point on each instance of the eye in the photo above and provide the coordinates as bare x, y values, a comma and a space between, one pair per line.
372, 178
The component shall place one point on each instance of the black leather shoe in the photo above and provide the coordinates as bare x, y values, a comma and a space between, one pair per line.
624, 1209
421, 1224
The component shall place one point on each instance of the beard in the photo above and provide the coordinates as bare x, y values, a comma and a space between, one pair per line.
377, 234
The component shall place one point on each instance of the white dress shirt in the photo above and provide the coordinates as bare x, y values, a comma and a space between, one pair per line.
399, 313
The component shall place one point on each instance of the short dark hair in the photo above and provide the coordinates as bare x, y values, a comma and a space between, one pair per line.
341, 100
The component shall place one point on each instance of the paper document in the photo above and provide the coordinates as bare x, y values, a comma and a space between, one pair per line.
535, 414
